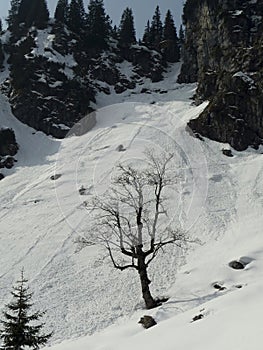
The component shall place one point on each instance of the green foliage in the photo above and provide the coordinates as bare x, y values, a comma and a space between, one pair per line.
171, 51
20, 72
18, 333
98, 25
76, 16
33, 12
127, 34
156, 30
12, 19
146, 35
61, 11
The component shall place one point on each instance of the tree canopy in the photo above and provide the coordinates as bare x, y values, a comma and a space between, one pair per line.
33, 12
61, 11
98, 25
18, 333
127, 34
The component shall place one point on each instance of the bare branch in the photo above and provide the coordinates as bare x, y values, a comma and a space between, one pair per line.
119, 267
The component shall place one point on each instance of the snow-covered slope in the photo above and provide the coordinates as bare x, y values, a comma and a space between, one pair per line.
219, 202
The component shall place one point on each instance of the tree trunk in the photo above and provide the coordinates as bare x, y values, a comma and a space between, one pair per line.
145, 282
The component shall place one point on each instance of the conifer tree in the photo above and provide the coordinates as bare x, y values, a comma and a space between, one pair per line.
156, 30
146, 35
127, 34
12, 18
98, 25
41, 14
171, 51
76, 16
115, 32
33, 12
61, 11
18, 333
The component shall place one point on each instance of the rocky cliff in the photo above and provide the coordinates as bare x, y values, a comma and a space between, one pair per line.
223, 52
8, 149
54, 80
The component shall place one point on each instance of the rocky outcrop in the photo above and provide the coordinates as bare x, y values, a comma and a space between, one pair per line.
223, 52
43, 89
8, 149
148, 63
54, 78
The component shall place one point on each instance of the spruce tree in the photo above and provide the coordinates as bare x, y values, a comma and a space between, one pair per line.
171, 51
156, 30
41, 14
12, 19
127, 34
61, 11
76, 16
33, 12
18, 333
98, 25
146, 35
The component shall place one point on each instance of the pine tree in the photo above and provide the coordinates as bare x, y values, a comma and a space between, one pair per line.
171, 51
18, 333
76, 16
33, 12
41, 14
98, 25
61, 11
146, 35
12, 18
127, 34
156, 30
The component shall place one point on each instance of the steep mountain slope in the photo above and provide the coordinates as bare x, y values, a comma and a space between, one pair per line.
223, 52
218, 201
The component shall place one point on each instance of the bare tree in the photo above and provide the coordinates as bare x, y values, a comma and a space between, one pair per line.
127, 217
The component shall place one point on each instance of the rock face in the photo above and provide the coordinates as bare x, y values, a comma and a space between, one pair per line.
8, 148
54, 79
223, 52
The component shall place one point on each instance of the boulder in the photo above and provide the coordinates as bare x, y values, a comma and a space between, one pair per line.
147, 321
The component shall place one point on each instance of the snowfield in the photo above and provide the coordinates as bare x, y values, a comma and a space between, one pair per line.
218, 202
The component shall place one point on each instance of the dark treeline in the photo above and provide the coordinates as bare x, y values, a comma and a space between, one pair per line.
94, 27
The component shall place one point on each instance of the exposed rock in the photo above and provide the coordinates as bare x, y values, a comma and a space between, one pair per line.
236, 265
147, 321
148, 63
8, 148
197, 317
227, 152
82, 191
121, 148
224, 53
54, 78
219, 287
55, 177
8, 145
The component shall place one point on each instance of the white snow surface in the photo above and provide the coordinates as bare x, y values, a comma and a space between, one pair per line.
89, 304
